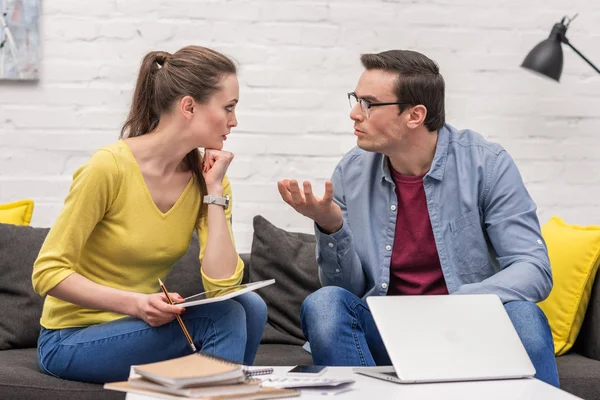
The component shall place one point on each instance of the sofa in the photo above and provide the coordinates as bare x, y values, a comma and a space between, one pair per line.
288, 257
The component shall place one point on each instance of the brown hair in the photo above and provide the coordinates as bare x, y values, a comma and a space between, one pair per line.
419, 81
164, 78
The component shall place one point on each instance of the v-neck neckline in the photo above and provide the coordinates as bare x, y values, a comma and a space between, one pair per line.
147, 191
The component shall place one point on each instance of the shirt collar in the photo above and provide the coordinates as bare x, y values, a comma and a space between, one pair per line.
437, 165
441, 154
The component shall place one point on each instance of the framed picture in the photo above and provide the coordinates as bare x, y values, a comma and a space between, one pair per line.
19, 39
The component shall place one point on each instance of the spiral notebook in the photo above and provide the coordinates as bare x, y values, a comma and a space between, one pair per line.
193, 370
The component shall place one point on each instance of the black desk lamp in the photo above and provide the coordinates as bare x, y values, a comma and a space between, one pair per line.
547, 57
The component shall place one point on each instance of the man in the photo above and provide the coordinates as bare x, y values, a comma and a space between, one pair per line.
419, 208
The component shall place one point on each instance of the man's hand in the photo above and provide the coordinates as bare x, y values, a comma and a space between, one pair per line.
327, 214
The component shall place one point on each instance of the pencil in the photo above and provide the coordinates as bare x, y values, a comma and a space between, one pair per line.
185, 331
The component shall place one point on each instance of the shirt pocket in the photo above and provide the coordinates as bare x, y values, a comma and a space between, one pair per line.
470, 248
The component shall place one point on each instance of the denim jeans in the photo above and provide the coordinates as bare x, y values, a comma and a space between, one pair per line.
101, 353
334, 315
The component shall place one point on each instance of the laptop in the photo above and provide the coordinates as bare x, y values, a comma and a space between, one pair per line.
447, 338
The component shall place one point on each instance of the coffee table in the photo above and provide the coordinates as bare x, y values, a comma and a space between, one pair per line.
375, 389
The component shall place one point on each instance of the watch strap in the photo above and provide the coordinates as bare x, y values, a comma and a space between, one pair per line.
221, 201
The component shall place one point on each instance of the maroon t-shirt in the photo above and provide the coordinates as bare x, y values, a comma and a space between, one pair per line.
415, 266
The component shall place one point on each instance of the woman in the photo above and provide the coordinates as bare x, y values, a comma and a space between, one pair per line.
130, 215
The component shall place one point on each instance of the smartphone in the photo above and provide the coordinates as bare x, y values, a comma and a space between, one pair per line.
307, 370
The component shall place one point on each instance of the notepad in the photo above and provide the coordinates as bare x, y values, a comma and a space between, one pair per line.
192, 370
263, 393
250, 386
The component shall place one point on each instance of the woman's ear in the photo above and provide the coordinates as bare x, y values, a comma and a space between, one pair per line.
186, 106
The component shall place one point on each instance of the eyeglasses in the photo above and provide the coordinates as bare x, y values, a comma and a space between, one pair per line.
365, 105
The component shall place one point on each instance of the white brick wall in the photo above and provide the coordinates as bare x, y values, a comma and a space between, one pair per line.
298, 59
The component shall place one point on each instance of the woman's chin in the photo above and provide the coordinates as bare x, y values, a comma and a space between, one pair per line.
218, 145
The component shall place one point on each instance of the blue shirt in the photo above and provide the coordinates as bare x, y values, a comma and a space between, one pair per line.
484, 222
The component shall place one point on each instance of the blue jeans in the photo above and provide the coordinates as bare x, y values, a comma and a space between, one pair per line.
334, 315
101, 353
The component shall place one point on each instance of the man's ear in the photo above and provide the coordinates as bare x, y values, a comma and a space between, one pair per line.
416, 116
186, 105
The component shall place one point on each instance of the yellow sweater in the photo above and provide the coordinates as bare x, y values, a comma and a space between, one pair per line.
111, 232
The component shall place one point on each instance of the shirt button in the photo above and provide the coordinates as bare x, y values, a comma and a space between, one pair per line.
330, 244
388, 247
393, 207
384, 285
337, 270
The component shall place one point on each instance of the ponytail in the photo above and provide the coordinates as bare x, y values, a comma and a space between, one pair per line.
144, 114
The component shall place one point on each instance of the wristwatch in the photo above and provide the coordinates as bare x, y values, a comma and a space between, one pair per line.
221, 201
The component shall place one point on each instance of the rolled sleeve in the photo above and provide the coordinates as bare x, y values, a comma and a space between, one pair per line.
330, 245
235, 279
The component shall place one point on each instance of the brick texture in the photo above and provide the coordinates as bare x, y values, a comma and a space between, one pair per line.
297, 61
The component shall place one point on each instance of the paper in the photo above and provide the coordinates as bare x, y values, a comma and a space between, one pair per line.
288, 382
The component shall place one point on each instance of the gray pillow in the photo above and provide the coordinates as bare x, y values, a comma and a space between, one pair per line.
588, 341
289, 258
185, 277
20, 306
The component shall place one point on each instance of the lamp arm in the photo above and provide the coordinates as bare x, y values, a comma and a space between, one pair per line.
566, 41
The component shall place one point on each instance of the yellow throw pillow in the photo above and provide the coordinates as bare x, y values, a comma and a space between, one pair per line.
16, 213
574, 256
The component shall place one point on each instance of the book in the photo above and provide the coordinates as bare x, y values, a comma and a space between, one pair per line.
263, 393
249, 386
212, 296
192, 370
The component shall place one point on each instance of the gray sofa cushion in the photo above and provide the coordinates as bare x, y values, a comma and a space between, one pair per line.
21, 306
579, 375
282, 354
289, 258
21, 379
185, 277
588, 340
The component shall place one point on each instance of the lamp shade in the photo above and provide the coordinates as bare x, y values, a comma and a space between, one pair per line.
546, 58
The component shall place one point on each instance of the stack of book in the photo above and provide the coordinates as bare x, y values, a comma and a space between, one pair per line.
197, 376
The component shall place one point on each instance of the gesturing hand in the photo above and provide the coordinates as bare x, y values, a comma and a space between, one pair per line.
155, 309
214, 166
324, 211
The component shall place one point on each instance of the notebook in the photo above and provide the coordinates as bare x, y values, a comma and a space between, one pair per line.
447, 338
192, 370
249, 386
263, 393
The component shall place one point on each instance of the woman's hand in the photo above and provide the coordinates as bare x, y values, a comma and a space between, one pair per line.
214, 166
155, 309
